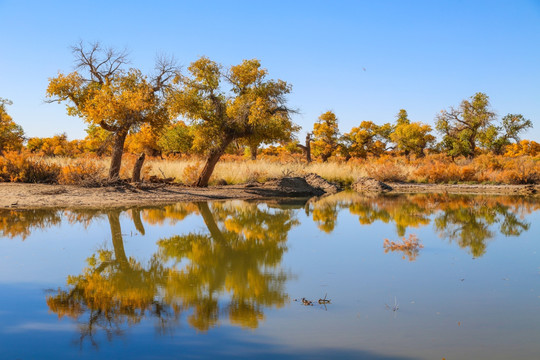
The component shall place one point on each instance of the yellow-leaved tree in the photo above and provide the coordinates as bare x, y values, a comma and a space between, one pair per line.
11, 134
367, 139
103, 93
236, 104
411, 138
325, 136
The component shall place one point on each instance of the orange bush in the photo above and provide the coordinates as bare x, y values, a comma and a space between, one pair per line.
520, 170
386, 170
83, 172
22, 167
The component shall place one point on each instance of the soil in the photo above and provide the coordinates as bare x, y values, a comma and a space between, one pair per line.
17, 195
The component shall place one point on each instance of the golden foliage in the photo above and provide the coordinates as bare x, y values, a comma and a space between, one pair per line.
325, 136
523, 148
11, 134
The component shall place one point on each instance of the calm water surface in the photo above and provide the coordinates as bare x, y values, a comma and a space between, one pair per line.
226, 279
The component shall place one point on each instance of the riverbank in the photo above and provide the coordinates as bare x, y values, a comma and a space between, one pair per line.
24, 196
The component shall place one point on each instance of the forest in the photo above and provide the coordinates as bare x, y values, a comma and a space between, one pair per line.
215, 124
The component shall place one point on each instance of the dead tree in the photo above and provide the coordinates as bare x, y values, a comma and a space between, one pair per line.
307, 148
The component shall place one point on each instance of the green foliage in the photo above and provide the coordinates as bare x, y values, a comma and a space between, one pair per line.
176, 138
497, 138
462, 128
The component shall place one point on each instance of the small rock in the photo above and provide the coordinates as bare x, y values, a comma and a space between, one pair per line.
318, 182
370, 185
292, 186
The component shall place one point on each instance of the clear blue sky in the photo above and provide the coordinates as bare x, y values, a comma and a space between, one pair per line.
364, 60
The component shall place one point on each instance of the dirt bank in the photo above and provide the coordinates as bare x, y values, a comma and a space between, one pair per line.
478, 189
16, 196
20, 196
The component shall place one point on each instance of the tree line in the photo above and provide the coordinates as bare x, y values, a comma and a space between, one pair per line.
210, 109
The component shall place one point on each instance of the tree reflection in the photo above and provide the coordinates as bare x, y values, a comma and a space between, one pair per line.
232, 271
470, 221
21, 223
113, 290
241, 257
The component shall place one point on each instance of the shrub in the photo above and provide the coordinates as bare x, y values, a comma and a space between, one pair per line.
386, 170
83, 172
191, 173
22, 167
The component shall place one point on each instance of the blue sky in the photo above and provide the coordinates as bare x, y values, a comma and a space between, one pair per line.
363, 60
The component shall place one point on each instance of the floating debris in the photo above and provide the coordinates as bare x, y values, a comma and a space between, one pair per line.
307, 302
325, 300
395, 307
410, 247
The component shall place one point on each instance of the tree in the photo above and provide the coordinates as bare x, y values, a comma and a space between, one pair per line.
97, 140
523, 148
411, 137
305, 148
144, 141
461, 128
368, 138
251, 109
176, 138
11, 134
402, 118
497, 138
103, 93
325, 136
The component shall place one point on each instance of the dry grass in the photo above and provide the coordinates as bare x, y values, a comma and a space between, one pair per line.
238, 170
243, 171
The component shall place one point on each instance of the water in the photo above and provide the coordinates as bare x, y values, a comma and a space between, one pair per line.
226, 279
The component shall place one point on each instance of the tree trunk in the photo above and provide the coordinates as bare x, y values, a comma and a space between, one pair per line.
210, 164
136, 215
308, 148
253, 150
118, 242
116, 157
136, 177
210, 222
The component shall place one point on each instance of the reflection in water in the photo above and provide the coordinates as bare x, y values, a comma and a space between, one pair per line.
240, 256
232, 271
470, 221
14, 223
409, 247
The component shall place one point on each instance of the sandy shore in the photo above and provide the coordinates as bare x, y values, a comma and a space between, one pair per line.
18, 196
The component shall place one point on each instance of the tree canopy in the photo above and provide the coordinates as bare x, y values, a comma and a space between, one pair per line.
325, 136
462, 127
11, 134
411, 138
234, 104
104, 93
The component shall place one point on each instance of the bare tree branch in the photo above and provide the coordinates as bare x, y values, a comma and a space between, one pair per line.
101, 64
